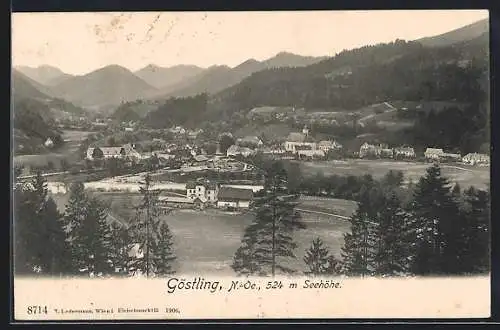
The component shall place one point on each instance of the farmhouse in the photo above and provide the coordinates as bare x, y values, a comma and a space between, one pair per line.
367, 150
434, 153
235, 150
234, 197
204, 191
180, 202
329, 145
475, 158
404, 152
126, 151
306, 151
386, 153
296, 139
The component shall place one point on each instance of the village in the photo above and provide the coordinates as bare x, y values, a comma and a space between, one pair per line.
189, 177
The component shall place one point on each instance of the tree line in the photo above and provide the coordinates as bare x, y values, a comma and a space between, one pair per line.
439, 229
82, 241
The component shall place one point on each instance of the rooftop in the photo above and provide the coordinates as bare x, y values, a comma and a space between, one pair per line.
226, 193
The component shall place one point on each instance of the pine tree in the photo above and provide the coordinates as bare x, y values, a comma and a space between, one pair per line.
268, 240
319, 260
76, 210
244, 260
433, 224
38, 234
163, 255
147, 232
392, 253
55, 256
361, 243
120, 247
476, 258
91, 245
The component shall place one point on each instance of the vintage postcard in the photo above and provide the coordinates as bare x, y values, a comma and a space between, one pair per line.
251, 165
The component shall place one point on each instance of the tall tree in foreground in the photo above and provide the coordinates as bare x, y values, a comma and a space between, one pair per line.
359, 244
476, 258
268, 241
164, 256
153, 236
91, 245
392, 234
39, 239
434, 216
319, 260
120, 246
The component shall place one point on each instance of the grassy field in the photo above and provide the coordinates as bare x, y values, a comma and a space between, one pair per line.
465, 175
67, 151
205, 241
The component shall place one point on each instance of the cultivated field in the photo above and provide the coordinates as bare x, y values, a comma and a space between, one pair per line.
465, 175
205, 241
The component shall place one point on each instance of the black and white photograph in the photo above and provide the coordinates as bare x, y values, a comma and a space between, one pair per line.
183, 146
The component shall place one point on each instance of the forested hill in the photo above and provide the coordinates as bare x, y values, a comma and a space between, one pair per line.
352, 79
33, 124
178, 111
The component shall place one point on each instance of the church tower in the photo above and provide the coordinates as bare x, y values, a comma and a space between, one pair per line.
305, 130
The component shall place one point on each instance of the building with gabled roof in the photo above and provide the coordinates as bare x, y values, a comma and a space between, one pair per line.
476, 158
434, 153
234, 197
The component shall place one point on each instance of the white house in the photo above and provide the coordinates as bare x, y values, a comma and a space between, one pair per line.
205, 191
298, 139
367, 149
404, 152
434, 153
475, 158
49, 143
235, 150
125, 151
329, 145
234, 197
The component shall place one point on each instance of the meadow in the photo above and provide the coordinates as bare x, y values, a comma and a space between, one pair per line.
205, 241
464, 175
67, 152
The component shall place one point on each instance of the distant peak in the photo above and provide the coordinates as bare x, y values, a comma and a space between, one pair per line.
284, 53
115, 67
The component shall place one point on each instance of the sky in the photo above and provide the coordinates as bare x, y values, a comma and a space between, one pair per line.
79, 43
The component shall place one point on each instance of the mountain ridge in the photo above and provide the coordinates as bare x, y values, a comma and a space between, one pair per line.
111, 84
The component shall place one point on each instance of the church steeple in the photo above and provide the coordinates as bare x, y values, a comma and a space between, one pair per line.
305, 130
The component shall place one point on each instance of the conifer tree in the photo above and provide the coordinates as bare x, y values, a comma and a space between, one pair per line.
244, 260
163, 255
360, 244
476, 258
91, 244
319, 260
120, 247
76, 210
148, 232
433, 224
38, 234
392, 253
268, 240
55, 256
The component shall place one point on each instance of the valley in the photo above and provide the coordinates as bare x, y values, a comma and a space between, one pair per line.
208, 138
